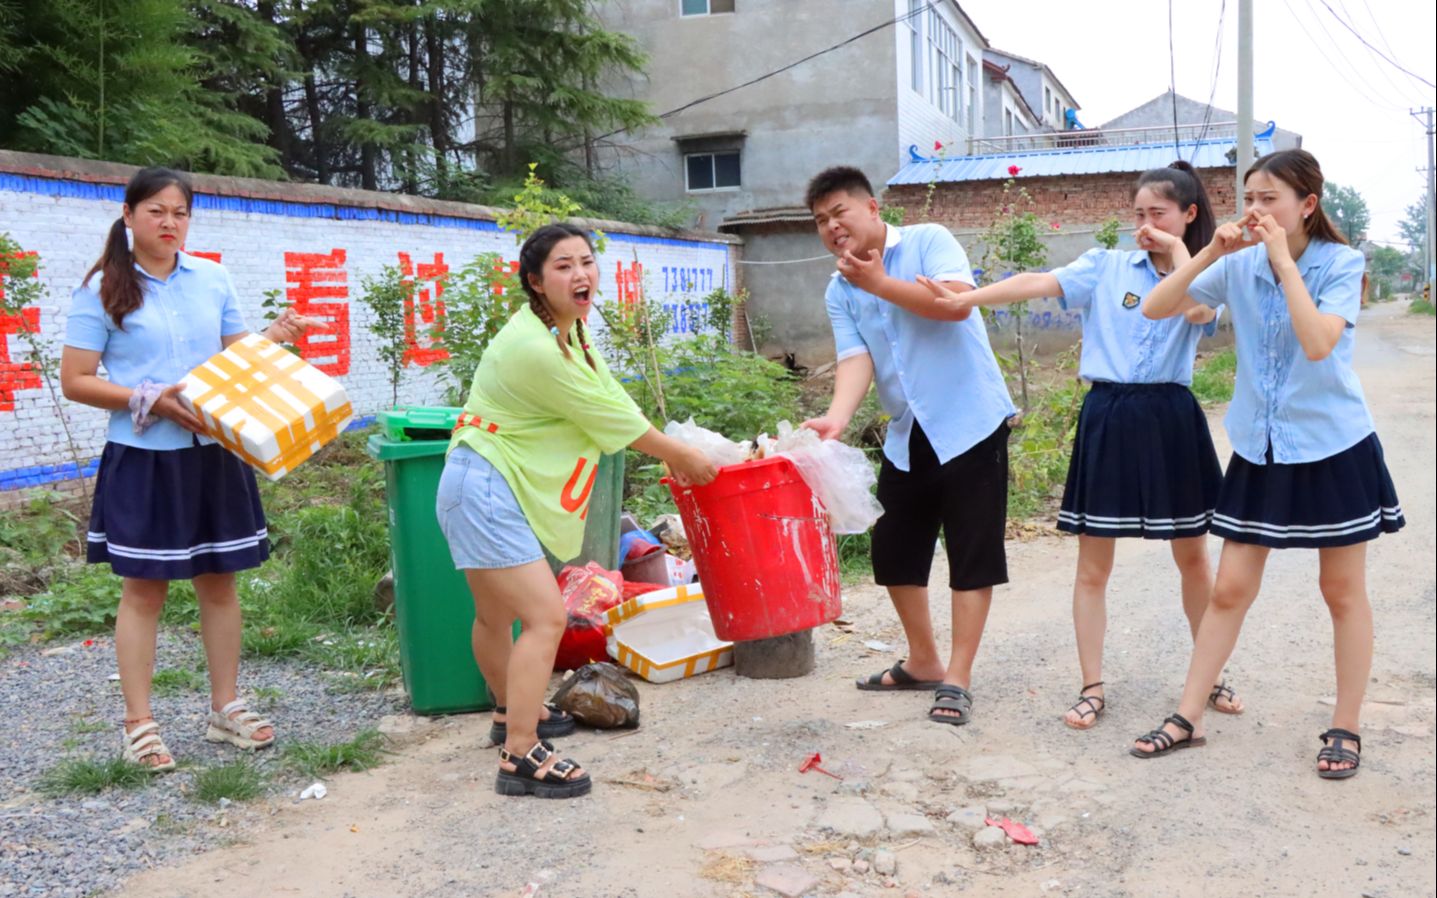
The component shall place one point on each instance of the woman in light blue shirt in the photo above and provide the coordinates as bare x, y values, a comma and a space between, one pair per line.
170, 503
1143, 464
1307, 469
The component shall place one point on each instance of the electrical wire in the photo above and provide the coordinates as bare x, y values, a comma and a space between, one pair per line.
1212, 90
1355, 33
1173, 81
1348, 58
1352, 79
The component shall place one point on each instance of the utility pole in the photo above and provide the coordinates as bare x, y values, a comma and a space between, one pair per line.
1244, 95
1429, 266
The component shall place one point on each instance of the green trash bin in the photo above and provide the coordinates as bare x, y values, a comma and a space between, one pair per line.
433, 609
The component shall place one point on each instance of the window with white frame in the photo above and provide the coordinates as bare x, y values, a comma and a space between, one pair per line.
943, 57
915, 44
712, 171
704, 7
972, 96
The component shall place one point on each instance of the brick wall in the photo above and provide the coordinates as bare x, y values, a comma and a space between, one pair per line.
1067, 199
312, 244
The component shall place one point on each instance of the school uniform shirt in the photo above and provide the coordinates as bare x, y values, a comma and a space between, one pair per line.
179, 325
940, 375
1305, 410
1121, 344
543, 421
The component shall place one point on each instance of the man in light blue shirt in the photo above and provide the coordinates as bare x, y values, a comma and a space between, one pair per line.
945, 459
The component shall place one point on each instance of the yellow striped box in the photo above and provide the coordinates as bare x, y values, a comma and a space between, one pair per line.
266, 405
667, 635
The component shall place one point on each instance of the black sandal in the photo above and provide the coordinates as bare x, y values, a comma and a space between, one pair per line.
1096, 710
948, 697
560, 723
556, 782
1162, 743
1333, 753
902, 681
1220, 691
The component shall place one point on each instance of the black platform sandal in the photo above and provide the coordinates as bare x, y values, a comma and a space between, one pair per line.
558, 781
1086, 706
1333, 752
948, 697
560, 723
1163, 744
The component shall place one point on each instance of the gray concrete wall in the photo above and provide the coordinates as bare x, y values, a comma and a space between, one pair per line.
785, 308
838, 109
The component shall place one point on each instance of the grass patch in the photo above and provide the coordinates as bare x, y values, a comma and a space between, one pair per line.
1041, 445
91, 776
178, 681
267, 697
239, 780
311, 759
84, 727
1420, 306
855, 556
41, 532
369, 656
1213, 377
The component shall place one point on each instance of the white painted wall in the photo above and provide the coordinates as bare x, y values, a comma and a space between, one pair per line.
65, 218
921, 121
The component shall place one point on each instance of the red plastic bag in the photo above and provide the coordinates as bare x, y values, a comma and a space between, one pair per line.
588, 592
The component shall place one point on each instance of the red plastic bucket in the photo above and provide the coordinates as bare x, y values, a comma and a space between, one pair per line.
765, 554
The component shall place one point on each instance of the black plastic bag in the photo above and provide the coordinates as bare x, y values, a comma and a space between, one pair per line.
600, 695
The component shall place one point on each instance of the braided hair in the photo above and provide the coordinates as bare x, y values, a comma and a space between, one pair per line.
532, 256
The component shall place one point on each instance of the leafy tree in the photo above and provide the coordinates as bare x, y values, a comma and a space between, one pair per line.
1348, 211
1414, 225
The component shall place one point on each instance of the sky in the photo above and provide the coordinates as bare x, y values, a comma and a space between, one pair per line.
1310, 74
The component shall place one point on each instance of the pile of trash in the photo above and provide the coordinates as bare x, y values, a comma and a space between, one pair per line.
840, 475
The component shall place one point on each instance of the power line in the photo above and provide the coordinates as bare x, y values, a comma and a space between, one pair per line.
1398, 89
1355, 33
1212, 90
1394, 89
912, 13
1352, 78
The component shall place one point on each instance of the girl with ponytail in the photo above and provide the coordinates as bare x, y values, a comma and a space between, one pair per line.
1143, 463
1307, 469
542, 410
170, 503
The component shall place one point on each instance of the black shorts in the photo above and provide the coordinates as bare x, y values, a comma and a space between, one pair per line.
967, 498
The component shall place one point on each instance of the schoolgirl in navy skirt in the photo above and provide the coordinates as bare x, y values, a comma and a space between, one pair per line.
1307, 469
1143, 463
170, 503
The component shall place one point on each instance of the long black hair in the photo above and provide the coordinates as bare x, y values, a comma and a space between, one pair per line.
532, 256
1180, 183
120, 289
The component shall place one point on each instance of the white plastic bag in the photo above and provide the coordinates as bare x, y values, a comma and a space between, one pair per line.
840, 475
719, 449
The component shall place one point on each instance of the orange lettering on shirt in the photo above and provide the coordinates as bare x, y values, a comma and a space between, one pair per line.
568, 500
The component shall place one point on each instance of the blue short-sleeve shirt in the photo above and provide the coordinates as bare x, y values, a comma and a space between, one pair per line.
941, 374
177, 327
1305, 410
1120, 344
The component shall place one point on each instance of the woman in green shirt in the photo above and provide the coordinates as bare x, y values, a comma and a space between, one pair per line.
542, 410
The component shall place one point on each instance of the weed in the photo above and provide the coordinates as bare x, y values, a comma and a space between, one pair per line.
371, 655
84, 727
239, 780
91, 776
1420, 306
1213, 377
178, 681
267, 697
364, 751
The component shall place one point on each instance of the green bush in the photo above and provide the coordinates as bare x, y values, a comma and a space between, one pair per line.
1214, 376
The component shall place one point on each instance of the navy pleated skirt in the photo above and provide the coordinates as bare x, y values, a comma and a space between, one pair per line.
175, 514
1143, 464
1340, 500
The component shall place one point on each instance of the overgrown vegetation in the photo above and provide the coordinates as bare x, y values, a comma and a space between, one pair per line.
238, 780
1422, 306
311, 759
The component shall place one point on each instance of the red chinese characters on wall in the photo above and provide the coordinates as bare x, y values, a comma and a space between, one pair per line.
424, 310
317, 286
203, 254
629, 283
16, 376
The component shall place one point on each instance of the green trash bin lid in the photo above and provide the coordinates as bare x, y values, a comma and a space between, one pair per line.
383, 448
419, 422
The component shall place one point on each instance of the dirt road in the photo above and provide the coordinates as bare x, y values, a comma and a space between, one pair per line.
706, 800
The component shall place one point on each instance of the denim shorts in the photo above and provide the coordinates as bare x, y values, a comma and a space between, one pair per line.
480, 517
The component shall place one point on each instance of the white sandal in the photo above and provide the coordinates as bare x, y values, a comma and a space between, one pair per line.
144, 742
238, 730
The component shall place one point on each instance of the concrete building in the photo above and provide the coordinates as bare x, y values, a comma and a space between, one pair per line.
1044, 93
755, 98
